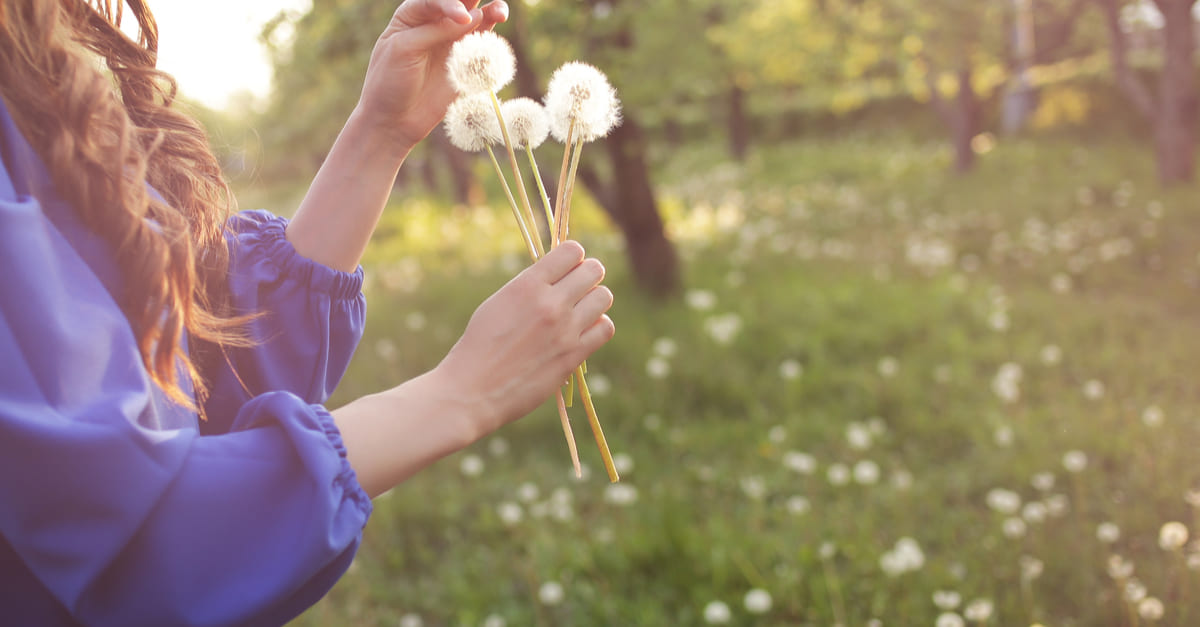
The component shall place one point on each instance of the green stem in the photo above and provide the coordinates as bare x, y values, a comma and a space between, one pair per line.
516, 169
556, 234
570, 191
537, 176
596, 430
570, 389
533, 253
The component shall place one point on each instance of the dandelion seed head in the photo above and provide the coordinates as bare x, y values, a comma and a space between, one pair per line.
838, 474
1152, 416
1031, 567
1003, 501
1172, 536
481, 62
510, 513
471, 465
527, 122
946, 599
1135, 591
1043, 481
798, 462
1119, 567
1034, 512
494, 620
1013, 528
1150, 608
579, 93
866, 472
979, 610
950, 619
757, 601
551, 593
717, 613
620, 494
1108, 532
1051, 354
1075, 461
471, 123
411, 620
798, 505
528, 492
858, 436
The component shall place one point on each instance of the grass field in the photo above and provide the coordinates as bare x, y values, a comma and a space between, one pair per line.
887, 396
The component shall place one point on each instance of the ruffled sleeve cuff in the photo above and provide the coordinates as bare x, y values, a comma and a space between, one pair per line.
346, 477
266, 235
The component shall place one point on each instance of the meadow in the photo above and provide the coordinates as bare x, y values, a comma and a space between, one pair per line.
885, 396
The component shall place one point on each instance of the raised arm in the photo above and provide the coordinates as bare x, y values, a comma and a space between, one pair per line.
405, 94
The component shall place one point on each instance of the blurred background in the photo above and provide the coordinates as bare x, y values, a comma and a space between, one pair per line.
907, 311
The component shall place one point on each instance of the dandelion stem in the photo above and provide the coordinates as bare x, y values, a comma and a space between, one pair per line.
835, 591
596, 430
570, 385
570, 191
557, 234
537, 176
570, 435
520, 181
533, 253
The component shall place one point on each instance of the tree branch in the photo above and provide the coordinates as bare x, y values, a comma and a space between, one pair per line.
1133, 88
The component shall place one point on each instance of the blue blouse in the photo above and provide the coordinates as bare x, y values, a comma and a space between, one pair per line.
118, 507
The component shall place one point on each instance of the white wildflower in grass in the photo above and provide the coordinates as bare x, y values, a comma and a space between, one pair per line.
411, 620
998, 320
979, 610
905, 556
1031, 567
664, 347
700, 300
949, 619
1152, 416
1150, 609
551, 593
1034, 512
777, 434
754, 487
801, 463
1013, 528
717, 613
866, 472
1003, 501
581, 103
1056, 505
1135, 591
528, 492
946, 599
888, 367
798, 505
510, 513
471, 465
722, 329
757, 601
527, 123
1172, 536
1006, 385
471, 123
1093, 390
1119, 568
623, 462
838, 474
790, 369
498, 446
481, 62
1043, 481
858, 436
494, 620
620, 494
1051, 354
1193, 561
1075, 461
600, 384
1108, 532
658, 367
827, 550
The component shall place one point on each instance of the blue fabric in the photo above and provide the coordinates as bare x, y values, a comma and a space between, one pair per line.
114, 508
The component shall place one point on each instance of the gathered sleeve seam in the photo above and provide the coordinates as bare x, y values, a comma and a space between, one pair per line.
269, 234
346, 478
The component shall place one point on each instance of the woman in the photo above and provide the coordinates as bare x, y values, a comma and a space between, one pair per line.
164, 456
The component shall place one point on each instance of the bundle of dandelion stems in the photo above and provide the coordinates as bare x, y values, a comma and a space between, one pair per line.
580, 106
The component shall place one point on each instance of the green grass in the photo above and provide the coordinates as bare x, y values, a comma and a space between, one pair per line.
900, 292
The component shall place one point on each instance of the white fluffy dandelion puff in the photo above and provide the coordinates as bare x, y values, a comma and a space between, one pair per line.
471, 123
579, 97
481, 62
527, 122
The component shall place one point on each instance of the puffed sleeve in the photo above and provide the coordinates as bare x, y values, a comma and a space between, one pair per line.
310, 320
130, 525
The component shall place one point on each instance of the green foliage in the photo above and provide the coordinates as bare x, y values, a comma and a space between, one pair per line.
836, 286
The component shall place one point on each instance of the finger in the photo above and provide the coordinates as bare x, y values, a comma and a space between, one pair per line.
594, 304
440, 32
413, 13
557, 263
596, 336
494, 13
580, 280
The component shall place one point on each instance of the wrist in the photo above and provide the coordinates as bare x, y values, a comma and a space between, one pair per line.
461, 419
377, 138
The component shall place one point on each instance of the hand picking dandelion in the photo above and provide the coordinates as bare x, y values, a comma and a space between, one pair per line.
581, 106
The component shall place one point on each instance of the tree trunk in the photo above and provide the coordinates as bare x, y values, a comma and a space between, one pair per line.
739, 125
965, 123
629, 199
1175, 125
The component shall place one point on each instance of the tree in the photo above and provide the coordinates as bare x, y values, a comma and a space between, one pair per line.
1173, 114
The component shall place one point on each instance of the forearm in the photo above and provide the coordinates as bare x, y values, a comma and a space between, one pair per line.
338, 214
392, 435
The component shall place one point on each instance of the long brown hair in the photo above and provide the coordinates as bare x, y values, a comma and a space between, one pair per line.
103, 146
